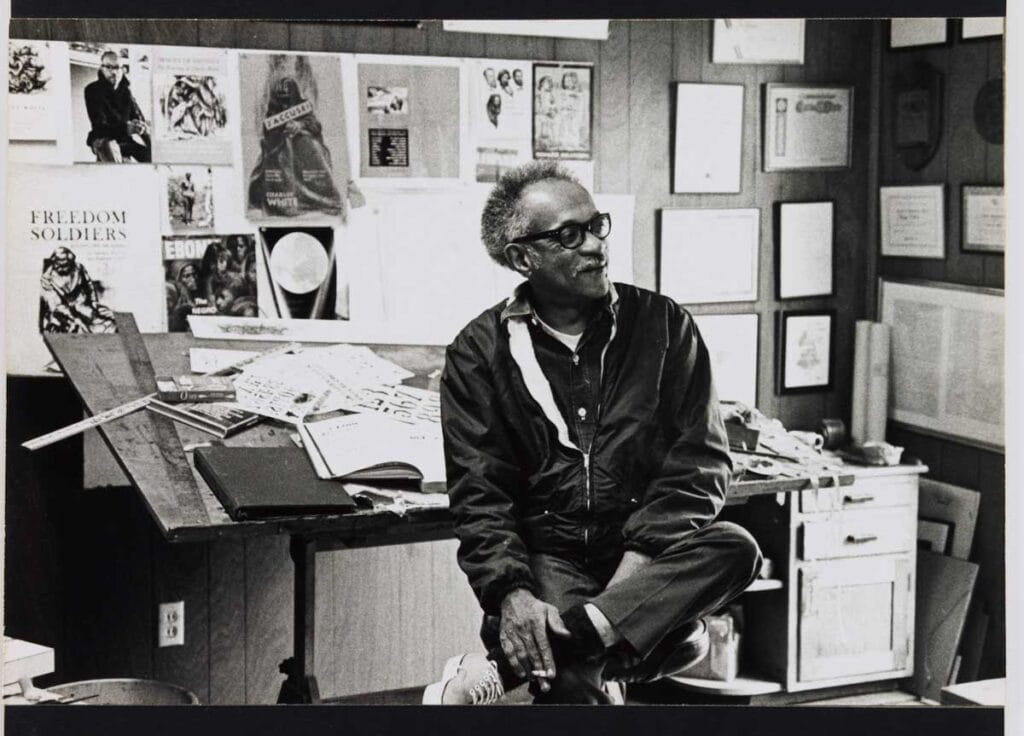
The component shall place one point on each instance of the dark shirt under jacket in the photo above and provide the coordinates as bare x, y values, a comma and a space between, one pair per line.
110, 109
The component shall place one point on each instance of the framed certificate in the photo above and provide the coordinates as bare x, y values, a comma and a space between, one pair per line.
804, 351
758, 41
913, 221
804, 238
709, 255
708, 138
983, 216
909, 32
807, 126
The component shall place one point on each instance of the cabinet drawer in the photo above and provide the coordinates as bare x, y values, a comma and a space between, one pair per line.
859, 533
864, 494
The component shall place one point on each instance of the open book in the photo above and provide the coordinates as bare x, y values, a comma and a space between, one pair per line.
371, 447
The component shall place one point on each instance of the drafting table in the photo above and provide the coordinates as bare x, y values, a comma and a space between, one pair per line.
186, 510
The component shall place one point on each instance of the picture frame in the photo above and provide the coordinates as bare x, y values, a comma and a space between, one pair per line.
691, 272
907, 33
807, 127
758, 41
804, 246
708, 138
804, 350
982, 219
912, 221
732, 343
981, 27
954, 391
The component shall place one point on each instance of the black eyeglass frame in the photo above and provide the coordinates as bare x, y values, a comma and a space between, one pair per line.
585, 227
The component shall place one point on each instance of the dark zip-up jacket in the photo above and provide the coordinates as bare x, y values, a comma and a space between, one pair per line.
110, 108
658, 466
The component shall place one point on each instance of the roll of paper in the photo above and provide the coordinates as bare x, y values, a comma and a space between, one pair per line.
878, 382
859, 403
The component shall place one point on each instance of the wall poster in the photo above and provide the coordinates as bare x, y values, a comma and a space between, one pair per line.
188, 198
208, 275
562, 115
192, 121
81, 245
111, 102
408, 120
293, 136
31, 100
500, 109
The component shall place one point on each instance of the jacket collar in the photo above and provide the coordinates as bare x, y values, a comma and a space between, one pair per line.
518, 305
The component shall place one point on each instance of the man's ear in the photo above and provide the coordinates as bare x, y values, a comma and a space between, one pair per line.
519, 258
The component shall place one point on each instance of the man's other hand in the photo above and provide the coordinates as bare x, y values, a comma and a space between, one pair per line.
525, 620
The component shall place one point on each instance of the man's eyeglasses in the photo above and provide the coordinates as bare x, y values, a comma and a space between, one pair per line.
572, 234
111, 66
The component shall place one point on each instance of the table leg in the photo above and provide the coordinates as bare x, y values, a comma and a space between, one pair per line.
300, 685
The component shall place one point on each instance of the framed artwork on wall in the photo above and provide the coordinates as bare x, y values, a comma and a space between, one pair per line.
708, 138
709, 255
731, 340
983, 217
804, 350
913, 221
987, 27
911, 32
758, 41
807, 127
804, 244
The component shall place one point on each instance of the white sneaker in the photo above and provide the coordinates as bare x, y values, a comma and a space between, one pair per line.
467, 679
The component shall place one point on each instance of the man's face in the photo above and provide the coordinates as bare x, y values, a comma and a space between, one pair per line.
489, 76
517, 75
558, 273
110, 68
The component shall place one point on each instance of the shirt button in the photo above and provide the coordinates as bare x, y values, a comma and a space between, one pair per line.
575, 359
581, 413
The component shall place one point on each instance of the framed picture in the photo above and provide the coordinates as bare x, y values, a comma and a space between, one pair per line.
708, 138
562, 111
913, 221
981, 27
804, 243
709, 255
947, 359
807, 126
983, 218
909, 32
804, 351
758, 41
731, 340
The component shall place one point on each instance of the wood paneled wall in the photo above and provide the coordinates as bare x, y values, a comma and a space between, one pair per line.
963, 157
387, 618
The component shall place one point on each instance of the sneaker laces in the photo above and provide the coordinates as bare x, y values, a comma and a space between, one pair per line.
489, 689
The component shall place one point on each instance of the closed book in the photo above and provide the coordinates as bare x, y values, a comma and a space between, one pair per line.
220, 419
261, 482
179, 389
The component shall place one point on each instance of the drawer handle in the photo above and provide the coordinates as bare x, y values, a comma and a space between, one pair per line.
858, 498
860, 539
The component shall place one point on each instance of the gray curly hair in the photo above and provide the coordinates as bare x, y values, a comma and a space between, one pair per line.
502, 220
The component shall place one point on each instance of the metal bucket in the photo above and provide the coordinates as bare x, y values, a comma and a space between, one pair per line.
125, 691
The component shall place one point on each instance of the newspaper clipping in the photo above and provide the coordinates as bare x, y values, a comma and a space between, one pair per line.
209, 275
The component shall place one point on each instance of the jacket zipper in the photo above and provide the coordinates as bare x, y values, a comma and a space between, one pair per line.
586, 478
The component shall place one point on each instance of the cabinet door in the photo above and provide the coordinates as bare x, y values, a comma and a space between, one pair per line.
856, 617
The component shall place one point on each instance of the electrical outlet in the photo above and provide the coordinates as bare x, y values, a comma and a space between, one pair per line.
170, 628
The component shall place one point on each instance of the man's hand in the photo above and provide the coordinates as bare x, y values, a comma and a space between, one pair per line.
523, 633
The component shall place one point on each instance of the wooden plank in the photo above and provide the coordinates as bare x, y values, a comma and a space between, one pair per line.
612, 170
412, 41
307, 37
326, 665
650, 71
959, 464
990, 553
181, 574
218, 33
261, 35
226, 560
268, 616
29, 28
944, 589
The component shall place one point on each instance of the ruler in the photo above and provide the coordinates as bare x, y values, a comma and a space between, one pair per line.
132, 406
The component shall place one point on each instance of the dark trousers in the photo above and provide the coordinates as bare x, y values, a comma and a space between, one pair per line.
695, 576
